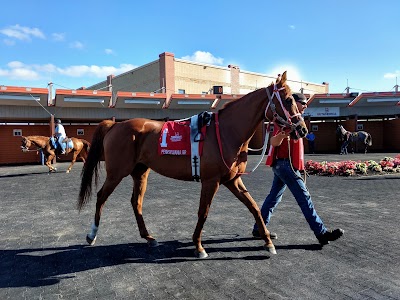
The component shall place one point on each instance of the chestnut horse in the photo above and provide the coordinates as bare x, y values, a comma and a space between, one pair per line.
131, 148
81, 148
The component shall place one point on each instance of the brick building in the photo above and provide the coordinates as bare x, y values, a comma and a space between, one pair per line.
171, 88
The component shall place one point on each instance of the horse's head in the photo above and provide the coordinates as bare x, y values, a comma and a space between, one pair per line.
282, 109
25, 144
340, 130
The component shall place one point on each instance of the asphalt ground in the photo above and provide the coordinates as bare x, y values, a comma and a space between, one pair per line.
44, 255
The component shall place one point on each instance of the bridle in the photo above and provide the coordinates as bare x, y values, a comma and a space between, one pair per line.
24, 145
285, 123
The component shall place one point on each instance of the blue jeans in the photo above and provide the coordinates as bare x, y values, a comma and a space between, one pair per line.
284, 177
60, 142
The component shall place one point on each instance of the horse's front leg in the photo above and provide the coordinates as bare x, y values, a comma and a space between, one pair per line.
208, 190
237, 187
140, 176
49, 160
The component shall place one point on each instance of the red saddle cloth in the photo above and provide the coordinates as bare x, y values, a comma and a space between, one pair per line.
175, 139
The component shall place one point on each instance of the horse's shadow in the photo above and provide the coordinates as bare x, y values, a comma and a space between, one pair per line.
22, 174
47, 266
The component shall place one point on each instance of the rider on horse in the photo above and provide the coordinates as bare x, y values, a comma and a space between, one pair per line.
60, 135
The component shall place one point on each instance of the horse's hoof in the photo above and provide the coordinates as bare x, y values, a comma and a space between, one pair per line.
270, 249
152, 243
201, 254
90, 240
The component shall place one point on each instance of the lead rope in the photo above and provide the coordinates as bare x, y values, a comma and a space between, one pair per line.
291, 166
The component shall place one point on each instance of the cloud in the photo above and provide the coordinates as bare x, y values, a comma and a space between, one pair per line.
76, 45
292, 27
22, 33
204, 57
94, 71
17, 70
59, 37
20, 71
392, 75
109, 51
9, 42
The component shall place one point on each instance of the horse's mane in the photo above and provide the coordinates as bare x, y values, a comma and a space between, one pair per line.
36, 136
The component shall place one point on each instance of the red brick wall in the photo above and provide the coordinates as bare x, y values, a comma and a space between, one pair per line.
375, 129
391, 135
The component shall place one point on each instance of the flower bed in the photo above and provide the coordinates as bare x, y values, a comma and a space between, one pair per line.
351, 168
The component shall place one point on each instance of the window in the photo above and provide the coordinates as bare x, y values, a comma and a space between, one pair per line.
181, 91
314, 128
80, 132
17, 132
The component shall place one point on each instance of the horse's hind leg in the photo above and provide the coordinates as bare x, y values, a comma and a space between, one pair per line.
238, 188
140, 176
108, 187
208, 190
72, 162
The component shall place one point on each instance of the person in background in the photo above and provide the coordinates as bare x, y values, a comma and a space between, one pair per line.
286, 165
60, 135
311, 142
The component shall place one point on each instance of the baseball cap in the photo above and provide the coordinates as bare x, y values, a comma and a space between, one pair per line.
299, 97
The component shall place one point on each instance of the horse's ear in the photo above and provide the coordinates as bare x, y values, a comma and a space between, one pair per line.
278, 78
283, 78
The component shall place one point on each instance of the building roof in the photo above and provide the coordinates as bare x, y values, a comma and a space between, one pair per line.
24, 96
367, 104
82, 98
139, 100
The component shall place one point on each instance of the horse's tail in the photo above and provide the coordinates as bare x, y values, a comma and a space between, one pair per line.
86, 145
369, 140
91, 166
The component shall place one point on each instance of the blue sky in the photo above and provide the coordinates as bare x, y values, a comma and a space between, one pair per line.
78, 43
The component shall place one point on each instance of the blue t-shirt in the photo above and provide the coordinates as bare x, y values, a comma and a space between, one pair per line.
310, 137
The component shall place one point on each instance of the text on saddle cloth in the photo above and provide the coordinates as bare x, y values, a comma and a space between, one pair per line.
178, 137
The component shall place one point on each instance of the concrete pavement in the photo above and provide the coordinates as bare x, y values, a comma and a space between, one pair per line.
44, 255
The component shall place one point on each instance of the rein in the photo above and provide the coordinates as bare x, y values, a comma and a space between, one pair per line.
264, 148
29, 150
34, 143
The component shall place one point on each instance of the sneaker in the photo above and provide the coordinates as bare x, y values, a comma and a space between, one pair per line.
330, 235
256, 234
